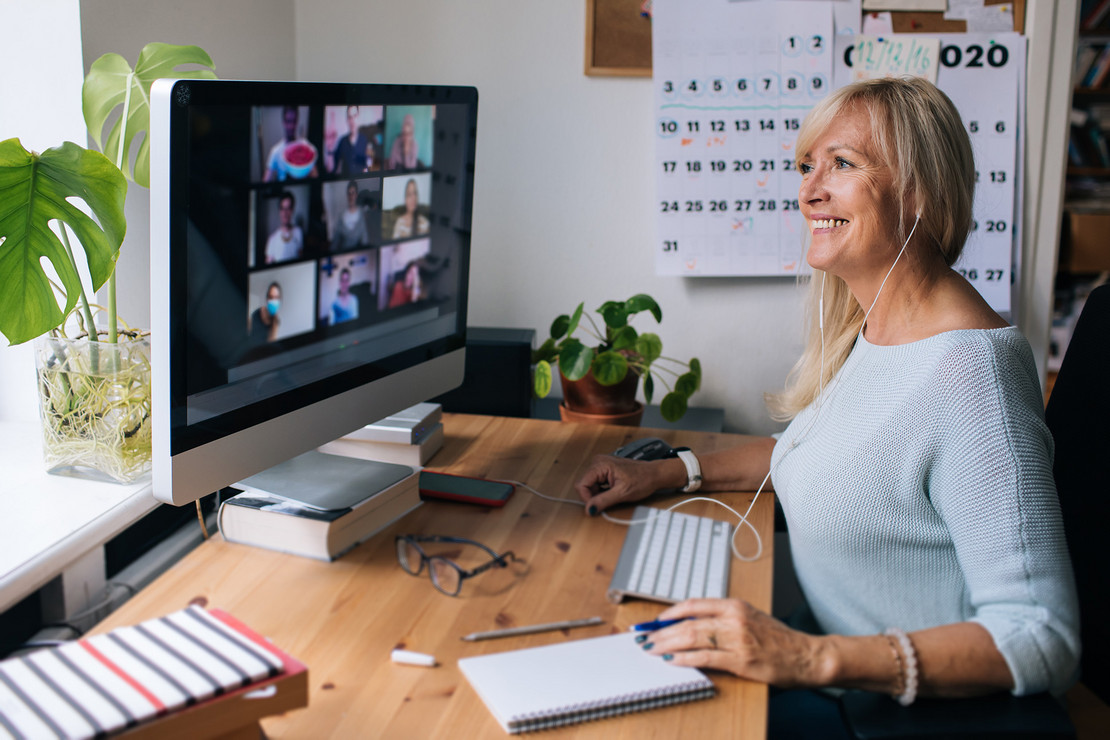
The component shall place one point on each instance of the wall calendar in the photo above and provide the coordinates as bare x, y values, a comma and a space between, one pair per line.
733, 81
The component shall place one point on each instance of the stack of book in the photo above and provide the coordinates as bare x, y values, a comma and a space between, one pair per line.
317, 505
409, 437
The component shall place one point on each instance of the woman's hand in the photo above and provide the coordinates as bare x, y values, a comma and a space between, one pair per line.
731, 635
611, 480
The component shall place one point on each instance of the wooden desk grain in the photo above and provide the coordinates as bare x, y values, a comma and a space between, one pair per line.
342, 619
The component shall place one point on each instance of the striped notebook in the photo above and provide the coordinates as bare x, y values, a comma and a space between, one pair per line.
110, 682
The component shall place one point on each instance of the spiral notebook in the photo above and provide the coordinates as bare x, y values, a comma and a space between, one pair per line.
577, 681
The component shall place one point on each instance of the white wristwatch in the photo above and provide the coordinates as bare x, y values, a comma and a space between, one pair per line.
693, 469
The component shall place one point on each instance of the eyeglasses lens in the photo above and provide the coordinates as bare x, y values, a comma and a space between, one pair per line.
444, 575
409, 557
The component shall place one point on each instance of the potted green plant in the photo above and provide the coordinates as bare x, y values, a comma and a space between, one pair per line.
93, 381
600, 375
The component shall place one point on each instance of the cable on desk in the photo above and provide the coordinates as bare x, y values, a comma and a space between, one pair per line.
628, 522
534, 492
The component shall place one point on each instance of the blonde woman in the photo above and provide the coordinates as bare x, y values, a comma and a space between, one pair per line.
915, 474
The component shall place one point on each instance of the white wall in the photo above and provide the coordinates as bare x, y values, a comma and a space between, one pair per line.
41, 105
564, 180
247, 39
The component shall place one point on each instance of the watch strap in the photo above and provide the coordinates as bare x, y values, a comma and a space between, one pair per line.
693, 469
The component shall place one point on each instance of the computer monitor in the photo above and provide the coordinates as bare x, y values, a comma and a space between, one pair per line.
310, 247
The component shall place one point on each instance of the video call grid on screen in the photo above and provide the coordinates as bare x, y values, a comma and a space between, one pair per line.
335, 233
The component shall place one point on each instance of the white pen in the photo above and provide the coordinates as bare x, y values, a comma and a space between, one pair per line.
529, 629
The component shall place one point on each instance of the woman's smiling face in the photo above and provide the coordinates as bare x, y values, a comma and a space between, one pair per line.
847, 197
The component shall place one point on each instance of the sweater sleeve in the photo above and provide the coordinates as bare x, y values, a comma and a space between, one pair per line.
990, 479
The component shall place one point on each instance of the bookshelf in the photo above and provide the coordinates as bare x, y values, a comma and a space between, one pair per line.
1084, 256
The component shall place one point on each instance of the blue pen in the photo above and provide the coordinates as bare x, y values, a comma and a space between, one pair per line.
657, 624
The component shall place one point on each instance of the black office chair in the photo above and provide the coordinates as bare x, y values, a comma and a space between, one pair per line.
1078, 415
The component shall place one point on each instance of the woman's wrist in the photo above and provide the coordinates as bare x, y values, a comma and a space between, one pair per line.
862, 662
827, 661
671, 474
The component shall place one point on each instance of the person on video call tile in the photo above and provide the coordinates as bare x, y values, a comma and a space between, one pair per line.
350, 152
287, 240
276, 168
263, 323
409, 288
345, 305
350, 227
403, 227
403, 152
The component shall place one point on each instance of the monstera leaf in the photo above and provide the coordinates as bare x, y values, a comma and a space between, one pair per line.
36, 189
111, 83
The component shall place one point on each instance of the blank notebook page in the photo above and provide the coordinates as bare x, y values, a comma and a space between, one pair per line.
579, 680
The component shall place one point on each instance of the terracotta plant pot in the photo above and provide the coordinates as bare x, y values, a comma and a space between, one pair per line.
627, 419
588, 401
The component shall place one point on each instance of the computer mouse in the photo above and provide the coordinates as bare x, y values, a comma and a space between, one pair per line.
649, 448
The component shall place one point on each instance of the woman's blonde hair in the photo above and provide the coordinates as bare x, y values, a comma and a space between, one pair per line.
917, 132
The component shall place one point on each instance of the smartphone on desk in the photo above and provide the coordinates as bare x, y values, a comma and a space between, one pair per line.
463, 488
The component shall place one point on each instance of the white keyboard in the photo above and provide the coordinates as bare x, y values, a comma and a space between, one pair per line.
669, 557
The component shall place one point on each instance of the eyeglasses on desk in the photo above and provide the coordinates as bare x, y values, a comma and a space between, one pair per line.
447, 576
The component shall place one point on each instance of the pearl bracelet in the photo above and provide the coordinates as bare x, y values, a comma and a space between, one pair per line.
909, 678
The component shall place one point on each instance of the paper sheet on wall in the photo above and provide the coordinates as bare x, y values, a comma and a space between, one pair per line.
733, 82
984, 75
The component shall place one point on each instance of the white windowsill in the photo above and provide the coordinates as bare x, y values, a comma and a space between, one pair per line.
49, 522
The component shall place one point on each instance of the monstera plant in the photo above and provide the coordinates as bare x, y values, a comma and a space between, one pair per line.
601, 362
94, 388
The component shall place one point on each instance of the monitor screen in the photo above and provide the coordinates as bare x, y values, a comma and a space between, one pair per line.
310, 247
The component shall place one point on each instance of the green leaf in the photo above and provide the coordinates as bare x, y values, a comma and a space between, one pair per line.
33, 191
673, 407
546, 352
624, 338
541, 379
559, 327
614, 313
574, 319
644, 302
106, 88
575, 359
695, 368
609, 367
649, 346
649, 387
686, 384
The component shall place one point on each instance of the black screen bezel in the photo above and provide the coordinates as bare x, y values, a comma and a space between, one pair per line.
186, 93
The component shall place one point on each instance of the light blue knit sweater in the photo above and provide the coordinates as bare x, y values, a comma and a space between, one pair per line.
921, 494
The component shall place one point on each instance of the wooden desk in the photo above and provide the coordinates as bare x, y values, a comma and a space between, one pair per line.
342, 619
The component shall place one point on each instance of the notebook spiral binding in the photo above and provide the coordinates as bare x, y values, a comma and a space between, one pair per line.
569, 715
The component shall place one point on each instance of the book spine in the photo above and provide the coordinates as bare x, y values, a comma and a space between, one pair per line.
1095, 17
400, 429
1084, 58
402, 454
